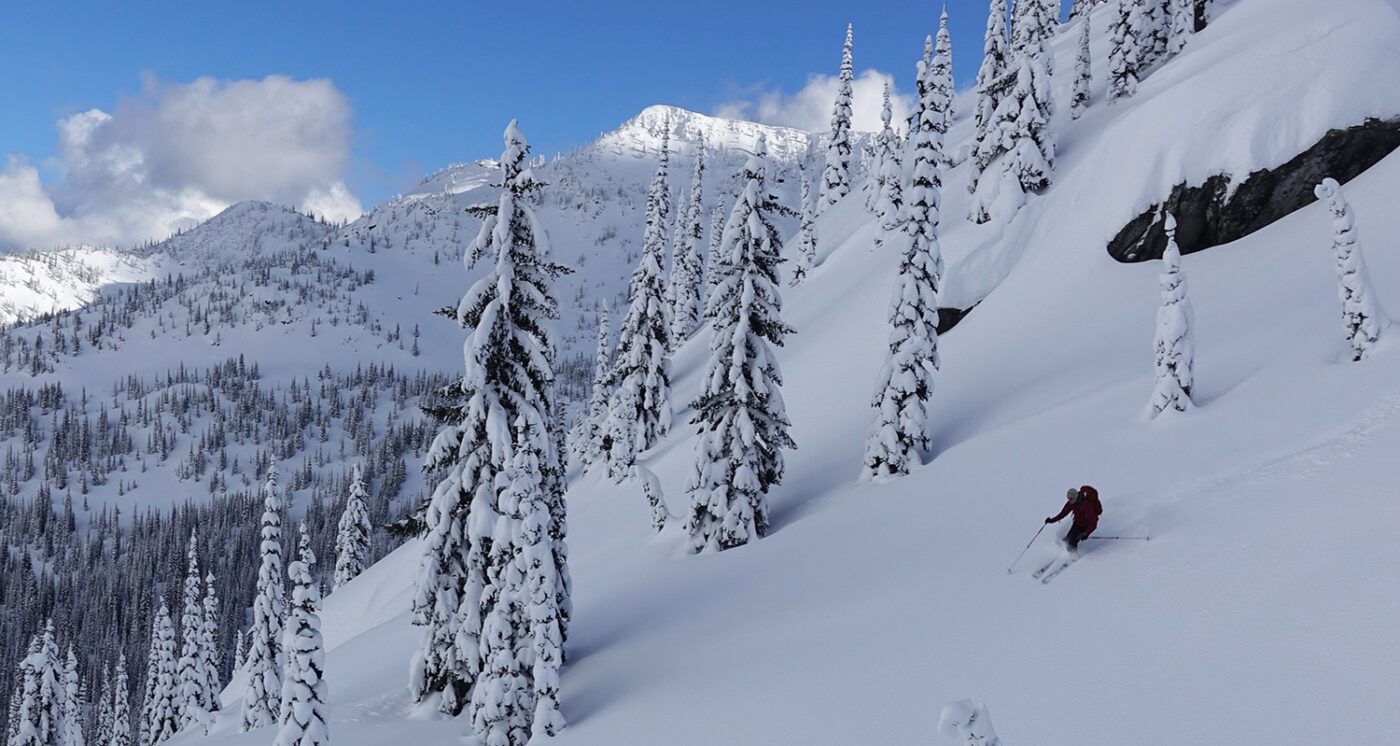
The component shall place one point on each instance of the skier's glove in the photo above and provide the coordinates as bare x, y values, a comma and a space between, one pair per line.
1050, 520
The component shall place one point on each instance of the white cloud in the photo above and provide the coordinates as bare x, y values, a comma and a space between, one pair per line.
177, 154
810, 108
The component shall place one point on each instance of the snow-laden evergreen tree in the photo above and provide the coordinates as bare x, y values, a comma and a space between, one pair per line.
642, 364
508, 373
1083, 72
102, 717
238, 646
743, 422
301, 717
264, 656
1019, 146
806, 235
836, 175
1182, 20
71, 730
1125, 54
161, 710
687, 281
516, 695
191, 680
1154, 31
939, 75
37, 717
1033, 26
211, 658
1174, 344
121, 706
712, 271
921, 82
992, 82
886, 198
1361, 312
905, 384
352, 533
591, 440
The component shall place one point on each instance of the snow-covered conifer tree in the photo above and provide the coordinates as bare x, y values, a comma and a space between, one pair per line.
743, 422
39, 715
238, 661
301, 717
1020, 145
1361, 312
209, 638
906, 379
191, 680
939, 77
836, 176
508, 373
160, 714
806, 236
687, 282
121, 706
992, 82
886, 198
1081, 8
1174, 345
643, 359
1182, 19
264, 656
71, 730
1125, 54
352, 533
1155, 31
102, 718
592, 426
1083, 71
712, 271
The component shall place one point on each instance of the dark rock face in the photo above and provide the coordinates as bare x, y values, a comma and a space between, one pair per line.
949, 317
1206, 215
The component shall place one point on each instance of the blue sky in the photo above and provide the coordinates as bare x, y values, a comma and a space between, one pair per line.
432, 83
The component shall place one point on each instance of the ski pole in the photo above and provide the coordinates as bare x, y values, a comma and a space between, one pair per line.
1120, 538
1028, 546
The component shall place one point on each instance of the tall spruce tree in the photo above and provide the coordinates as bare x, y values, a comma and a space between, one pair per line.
1362, 316
806, 235
1182, 24
687, 281
33, 723
992, 82
1125, 53
301, 717
905, 382
121, 706
592, 442
743, 422
939, 76
1173, 344
886, 198
1083, 72
190, 677
161, 710
352, 532
508, 373
211, 657
836, 175
1154, 31
265, 657
640, 411
71, 731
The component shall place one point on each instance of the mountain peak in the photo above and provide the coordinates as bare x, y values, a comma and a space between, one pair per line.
640, 136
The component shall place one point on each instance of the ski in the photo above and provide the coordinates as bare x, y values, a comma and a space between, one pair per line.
1038, 573
1049, 576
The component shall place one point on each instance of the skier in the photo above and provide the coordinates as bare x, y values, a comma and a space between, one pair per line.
1084, 504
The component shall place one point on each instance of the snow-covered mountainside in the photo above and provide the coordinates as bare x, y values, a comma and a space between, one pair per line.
1262, 610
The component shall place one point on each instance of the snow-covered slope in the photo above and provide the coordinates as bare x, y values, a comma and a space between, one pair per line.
1263, 609
34, 283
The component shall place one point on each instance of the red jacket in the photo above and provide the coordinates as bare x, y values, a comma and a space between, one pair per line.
1086, 510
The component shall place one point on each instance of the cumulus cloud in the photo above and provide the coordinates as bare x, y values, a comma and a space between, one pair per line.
176, 154
810, 108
